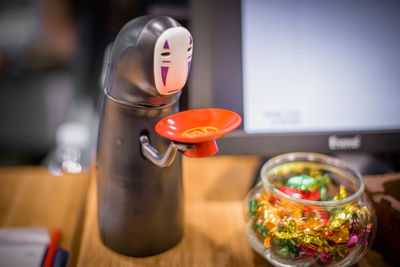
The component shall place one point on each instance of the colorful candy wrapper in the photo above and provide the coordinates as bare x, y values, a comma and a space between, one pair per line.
302, 182
292, 192
342, 193
322, 192
305, 232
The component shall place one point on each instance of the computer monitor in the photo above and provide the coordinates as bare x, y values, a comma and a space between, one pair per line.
305, 75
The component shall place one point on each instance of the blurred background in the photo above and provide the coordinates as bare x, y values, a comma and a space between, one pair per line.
51, 55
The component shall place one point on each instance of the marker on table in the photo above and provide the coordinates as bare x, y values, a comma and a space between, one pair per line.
51, 250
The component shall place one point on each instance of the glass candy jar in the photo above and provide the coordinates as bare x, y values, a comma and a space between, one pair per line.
309, 210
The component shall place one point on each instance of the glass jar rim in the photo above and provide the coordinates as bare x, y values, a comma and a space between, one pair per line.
312, 157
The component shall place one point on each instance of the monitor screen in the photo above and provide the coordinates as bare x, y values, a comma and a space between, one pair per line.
320, 66
306, 75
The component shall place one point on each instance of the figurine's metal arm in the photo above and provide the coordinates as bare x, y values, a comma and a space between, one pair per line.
161, 160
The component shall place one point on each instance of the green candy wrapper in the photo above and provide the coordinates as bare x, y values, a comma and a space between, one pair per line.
302, 182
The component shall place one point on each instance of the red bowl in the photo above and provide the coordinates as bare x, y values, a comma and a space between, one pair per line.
200, 127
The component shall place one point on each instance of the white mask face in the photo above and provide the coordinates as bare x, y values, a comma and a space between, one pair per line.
172, 57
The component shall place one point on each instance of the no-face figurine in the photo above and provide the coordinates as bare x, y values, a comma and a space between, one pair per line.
172, 58
140, 204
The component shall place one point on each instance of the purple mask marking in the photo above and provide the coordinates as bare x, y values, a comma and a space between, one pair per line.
164, 72
189, 67
191, 40
166, 46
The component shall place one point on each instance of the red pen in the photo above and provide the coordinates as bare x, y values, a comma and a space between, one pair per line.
51, 250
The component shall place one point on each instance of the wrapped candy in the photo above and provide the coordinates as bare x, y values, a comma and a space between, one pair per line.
291, 192
342, 193
293, 232
312, 195
314, 221
322, 192
286, 248
302, 182
266, 217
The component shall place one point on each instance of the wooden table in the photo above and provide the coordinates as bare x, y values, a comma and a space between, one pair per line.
31, 196
214, 227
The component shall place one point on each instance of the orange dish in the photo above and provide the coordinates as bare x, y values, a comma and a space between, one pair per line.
200, 127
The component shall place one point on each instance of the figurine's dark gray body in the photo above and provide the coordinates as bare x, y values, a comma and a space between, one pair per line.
140, 205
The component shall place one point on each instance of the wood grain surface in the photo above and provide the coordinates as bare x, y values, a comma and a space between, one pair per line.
214, 232
214, 227
31, 196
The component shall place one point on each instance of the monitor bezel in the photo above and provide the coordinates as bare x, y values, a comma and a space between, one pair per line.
217, 82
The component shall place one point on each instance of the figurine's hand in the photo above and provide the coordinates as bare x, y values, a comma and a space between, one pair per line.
161, 160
